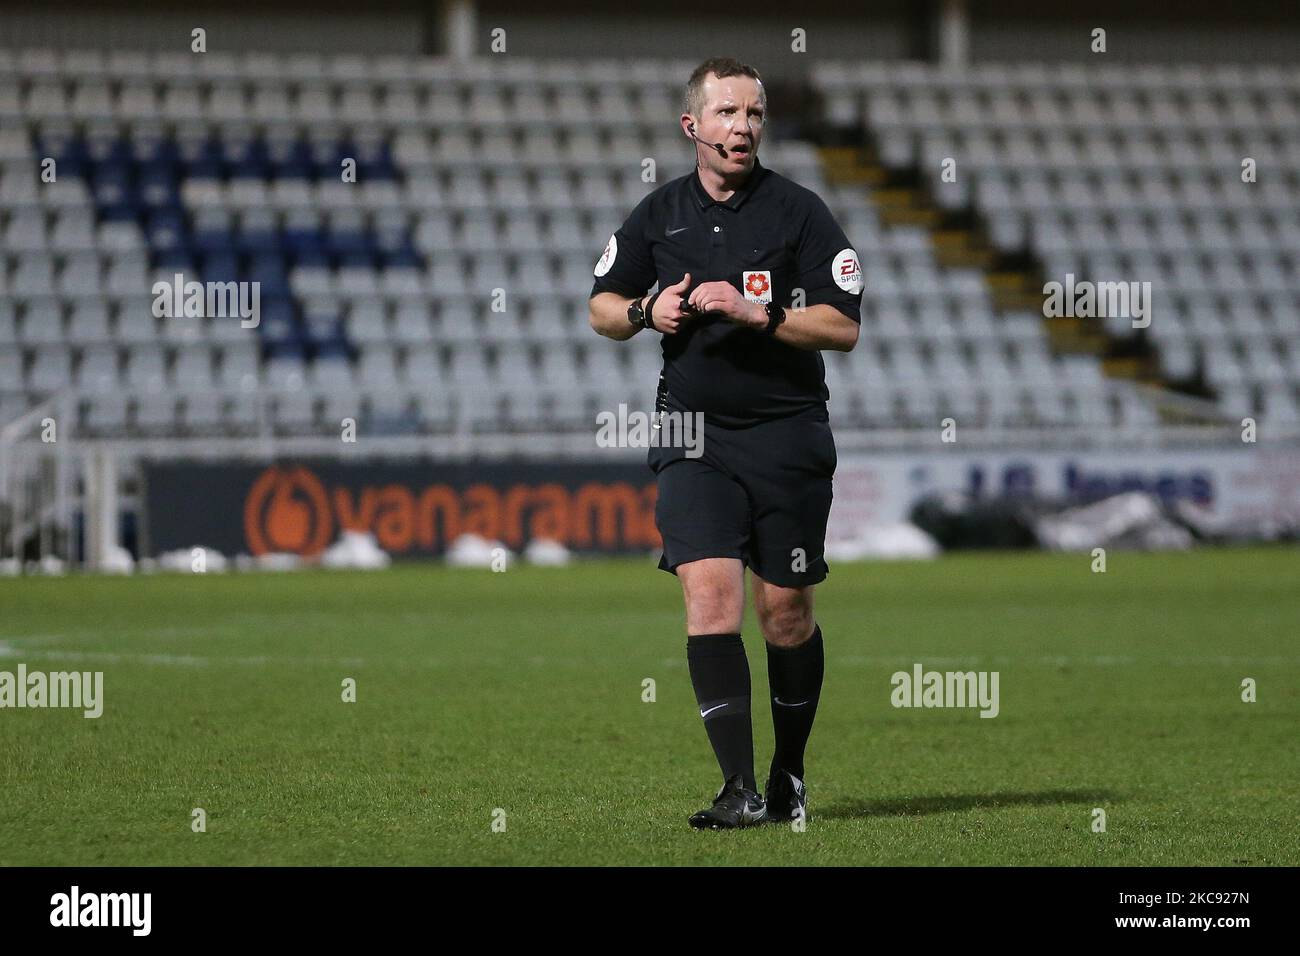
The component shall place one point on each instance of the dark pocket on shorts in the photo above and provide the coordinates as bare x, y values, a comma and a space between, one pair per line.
806, 447
658, 457
826, 444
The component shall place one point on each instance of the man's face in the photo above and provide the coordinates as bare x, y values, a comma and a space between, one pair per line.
733, 114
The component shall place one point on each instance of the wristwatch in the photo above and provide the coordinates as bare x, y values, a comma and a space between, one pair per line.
638, 315
775, 316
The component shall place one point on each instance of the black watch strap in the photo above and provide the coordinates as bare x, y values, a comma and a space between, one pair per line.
775, 316
650, 309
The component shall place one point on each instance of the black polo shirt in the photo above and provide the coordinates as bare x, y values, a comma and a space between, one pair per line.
769, 239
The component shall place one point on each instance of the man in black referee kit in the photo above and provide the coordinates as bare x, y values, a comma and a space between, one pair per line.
733, 247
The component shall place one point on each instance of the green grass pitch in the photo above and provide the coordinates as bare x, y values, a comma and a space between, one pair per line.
522, 691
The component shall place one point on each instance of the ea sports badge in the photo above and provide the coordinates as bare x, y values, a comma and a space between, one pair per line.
758, 287
847, 271
606, 261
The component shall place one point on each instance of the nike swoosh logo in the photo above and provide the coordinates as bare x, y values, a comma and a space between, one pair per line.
705, 713
784, 704
673, 232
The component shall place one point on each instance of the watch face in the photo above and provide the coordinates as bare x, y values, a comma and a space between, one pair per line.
775, 316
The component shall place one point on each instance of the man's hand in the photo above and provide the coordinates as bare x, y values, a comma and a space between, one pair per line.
723, 298
667, 314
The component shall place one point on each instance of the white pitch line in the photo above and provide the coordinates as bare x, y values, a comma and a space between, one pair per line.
1095, 660
8, 650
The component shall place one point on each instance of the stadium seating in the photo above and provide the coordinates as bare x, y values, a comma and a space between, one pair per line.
1122, 173
446, 288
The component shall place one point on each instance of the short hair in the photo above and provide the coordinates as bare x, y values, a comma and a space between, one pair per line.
719, 66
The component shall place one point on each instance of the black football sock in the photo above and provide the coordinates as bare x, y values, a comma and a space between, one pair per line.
720, 676
795, 676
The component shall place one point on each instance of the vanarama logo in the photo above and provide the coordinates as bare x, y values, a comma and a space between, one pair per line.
292, 509
287, 511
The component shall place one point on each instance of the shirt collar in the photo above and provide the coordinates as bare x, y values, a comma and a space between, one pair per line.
737, 198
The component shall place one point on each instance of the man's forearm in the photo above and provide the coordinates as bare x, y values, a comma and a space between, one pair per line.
608, 316
818, 327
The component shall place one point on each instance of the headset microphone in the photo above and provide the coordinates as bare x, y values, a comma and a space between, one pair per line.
722, 150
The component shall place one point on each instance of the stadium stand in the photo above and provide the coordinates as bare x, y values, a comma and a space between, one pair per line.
446, 288
1119, 173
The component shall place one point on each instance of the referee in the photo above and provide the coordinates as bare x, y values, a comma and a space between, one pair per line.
754, 278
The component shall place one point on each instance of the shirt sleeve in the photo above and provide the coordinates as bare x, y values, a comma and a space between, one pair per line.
830, 272
625, 267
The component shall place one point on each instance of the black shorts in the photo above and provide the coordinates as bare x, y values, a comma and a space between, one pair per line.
761, 494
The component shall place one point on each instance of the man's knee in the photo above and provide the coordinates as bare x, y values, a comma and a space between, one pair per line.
785, 615
714, 589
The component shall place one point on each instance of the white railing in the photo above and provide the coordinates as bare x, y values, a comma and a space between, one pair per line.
45, 484
581, 445
37, 484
